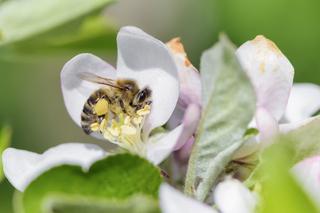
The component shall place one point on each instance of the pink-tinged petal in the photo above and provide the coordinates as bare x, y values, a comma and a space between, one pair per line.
173, 201
161, 145
182, 155
307, 173
267, 126
189, 76
231, 196
75, 90
270, 72
266, 123
190, 124
148, 61
303, 102
22, 167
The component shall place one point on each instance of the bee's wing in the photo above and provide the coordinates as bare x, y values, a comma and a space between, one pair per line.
98, 79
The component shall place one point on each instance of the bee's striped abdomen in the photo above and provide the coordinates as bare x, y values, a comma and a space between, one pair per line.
88, 115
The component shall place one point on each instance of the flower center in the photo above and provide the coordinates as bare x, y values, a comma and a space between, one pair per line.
118, 118
124, 129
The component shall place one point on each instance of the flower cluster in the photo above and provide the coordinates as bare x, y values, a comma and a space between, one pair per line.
150, 105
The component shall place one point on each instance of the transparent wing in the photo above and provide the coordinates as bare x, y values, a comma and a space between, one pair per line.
99, 80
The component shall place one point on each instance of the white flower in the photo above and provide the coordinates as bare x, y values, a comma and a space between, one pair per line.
230, 196
149, 63
271, 75
307, 173
22, 167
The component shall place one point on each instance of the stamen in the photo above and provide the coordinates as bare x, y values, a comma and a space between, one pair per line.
144, 111
137, 120
128, 130
94, 127
119, 127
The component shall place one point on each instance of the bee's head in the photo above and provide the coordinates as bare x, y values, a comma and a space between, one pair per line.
142, 98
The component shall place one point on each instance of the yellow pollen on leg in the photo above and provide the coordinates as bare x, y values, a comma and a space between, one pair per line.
101, 107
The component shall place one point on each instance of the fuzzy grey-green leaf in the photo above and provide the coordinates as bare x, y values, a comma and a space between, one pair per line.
228, 107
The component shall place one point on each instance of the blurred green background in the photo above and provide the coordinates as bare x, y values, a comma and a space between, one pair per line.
30, 96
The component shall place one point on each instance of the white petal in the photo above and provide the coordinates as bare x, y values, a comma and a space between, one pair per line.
308, 172
284, 128
270, 73
161, 145
22, 167
148, 61
176, 117
173, 201
231, 196
304, 101
75, 90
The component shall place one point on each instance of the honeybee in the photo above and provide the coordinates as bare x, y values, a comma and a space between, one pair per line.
116, 100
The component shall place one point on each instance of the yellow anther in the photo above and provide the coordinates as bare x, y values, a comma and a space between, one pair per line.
127, 120
114, 123
114, 131
103, 125
144, 111
137, 120
94, 127
101, 107
128, 130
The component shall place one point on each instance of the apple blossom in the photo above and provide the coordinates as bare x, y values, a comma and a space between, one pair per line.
271, 74
149, 63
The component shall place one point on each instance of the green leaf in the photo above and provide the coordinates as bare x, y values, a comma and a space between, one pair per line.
279, 190
135, 204
116, 178
23, 19
307, 140
93, 34
5, 139
228, 107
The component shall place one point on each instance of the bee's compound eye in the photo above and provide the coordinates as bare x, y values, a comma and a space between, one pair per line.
143, 95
